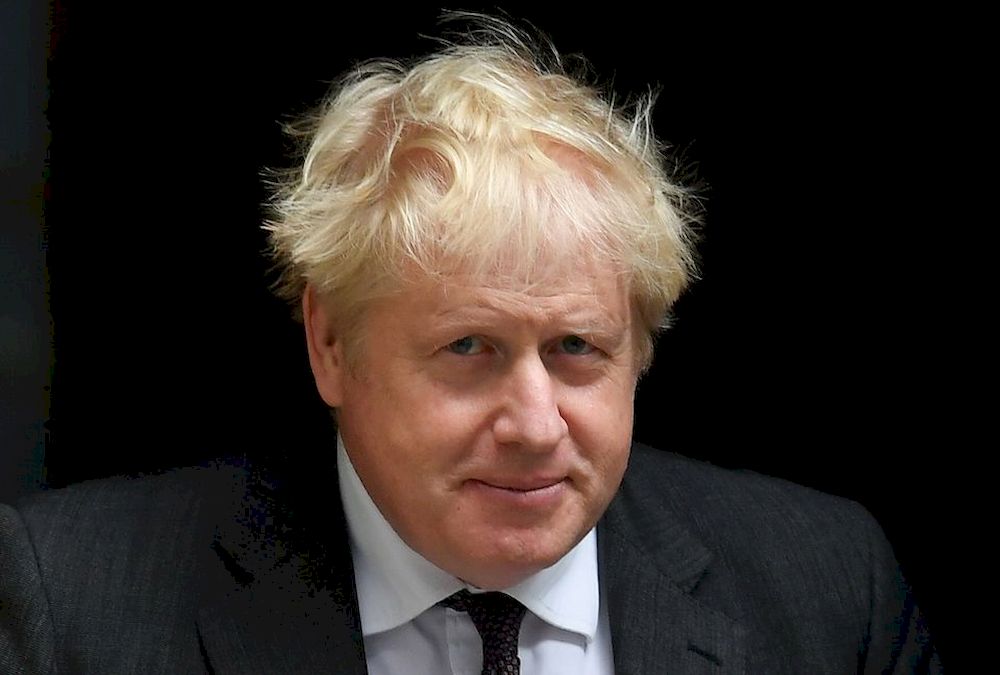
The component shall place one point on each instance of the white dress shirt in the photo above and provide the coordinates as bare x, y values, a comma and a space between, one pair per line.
565, 630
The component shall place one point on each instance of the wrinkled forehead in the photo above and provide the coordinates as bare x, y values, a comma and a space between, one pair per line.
539, 269
550, 288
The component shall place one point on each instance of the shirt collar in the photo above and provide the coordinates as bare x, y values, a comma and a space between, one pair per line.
396, 584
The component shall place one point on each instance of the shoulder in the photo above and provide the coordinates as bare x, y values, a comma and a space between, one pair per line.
116, 562
772, 543
105, 575
792, 564
96, 518
710, 498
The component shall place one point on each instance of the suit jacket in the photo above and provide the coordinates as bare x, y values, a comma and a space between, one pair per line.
705, 570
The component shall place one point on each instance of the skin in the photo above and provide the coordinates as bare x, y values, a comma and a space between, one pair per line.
489, 421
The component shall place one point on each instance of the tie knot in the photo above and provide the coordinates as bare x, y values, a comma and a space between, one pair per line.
497, 617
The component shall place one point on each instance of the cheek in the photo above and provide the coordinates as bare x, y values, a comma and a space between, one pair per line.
602, 431
603, 413
416, 428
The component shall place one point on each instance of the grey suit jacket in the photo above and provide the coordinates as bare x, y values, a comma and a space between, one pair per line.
207, 571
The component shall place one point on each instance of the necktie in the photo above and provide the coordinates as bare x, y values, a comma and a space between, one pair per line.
497, 617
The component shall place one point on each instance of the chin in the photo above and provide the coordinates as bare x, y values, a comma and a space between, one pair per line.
512, 558
499, 577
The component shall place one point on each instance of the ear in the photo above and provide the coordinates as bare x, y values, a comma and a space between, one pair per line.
326, 353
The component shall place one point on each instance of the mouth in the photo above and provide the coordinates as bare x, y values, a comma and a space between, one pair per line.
536, 495
521, 485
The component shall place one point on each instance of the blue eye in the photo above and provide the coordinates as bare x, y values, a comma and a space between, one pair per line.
466, 346
576, 345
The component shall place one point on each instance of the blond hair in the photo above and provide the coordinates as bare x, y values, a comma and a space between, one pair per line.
488, 157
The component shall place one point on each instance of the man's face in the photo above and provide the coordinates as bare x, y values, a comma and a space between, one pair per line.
490, 422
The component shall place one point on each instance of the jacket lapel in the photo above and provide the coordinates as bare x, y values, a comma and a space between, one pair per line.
650, 569
275, 601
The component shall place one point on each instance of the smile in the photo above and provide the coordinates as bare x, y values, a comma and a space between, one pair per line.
521, 485
536, 494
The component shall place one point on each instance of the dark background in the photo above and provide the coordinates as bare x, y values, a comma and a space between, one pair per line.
826, 342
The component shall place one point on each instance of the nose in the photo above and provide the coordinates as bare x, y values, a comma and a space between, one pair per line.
529, 416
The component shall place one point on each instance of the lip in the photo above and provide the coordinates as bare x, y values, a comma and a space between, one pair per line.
521, 484
533, 494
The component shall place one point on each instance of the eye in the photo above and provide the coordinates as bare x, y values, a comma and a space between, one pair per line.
576, 345
467, 346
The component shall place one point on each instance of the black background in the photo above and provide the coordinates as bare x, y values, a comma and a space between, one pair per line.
825, 342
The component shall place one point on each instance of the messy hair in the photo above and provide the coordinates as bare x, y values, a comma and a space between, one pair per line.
487, 157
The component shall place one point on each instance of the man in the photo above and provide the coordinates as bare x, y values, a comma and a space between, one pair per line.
483, 250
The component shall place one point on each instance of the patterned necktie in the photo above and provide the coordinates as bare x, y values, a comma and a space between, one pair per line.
497, 617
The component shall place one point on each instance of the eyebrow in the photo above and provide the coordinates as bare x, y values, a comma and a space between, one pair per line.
584, 322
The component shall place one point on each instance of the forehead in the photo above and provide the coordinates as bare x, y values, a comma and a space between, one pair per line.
561, 288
